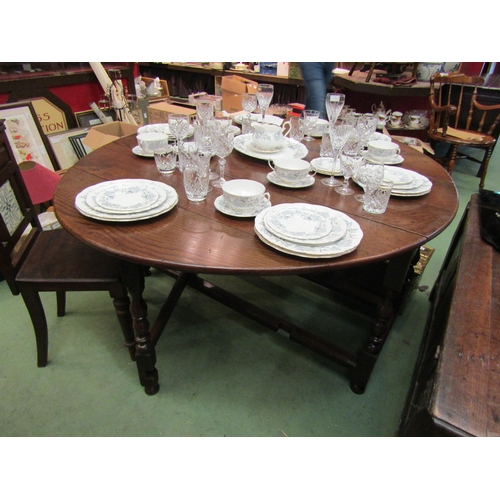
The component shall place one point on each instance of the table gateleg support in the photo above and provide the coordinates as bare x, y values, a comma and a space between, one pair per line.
145, 355
396, 281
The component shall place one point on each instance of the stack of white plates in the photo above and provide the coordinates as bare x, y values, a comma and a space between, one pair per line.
406, 182
126, 200
306, 230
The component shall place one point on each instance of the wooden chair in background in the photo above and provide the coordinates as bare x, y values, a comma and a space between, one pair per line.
459, 120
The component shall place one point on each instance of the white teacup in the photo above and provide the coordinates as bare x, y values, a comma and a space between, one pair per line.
269, 137
320, 127
292, 170
244, 195
414, 121
396, 119
150, 141
383, 150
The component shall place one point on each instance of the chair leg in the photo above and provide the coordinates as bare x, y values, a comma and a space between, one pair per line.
484, 167
452, 158
37, 314
61, 303
121, 302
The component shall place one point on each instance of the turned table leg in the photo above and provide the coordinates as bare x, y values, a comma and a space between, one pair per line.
145, 354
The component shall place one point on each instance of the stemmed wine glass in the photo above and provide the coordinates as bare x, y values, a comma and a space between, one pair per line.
179, 127
222, 146
366, 126
334, 104
339, 133
349, 165
249, 104
310, 119
205, 110
265, 93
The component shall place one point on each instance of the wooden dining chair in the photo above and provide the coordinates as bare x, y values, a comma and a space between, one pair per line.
34, 261
459, 120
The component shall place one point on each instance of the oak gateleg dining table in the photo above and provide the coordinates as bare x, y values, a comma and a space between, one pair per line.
195, 238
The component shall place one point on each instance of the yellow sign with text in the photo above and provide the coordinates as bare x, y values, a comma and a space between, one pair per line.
50, 117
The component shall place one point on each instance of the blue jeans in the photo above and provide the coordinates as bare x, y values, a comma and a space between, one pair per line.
317, 76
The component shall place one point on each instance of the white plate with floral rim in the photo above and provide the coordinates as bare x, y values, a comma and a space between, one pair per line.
347, 244
305, 224
85, 203
292, 149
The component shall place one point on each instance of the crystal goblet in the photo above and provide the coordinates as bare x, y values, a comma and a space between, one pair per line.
265, 93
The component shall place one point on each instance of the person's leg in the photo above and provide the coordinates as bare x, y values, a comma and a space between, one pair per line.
315, 74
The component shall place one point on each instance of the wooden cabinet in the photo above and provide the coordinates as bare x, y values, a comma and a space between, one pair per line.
456, 385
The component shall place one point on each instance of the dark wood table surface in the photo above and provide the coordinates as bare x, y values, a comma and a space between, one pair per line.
195, 238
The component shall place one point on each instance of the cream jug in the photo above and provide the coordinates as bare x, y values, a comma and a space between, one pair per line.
269, 137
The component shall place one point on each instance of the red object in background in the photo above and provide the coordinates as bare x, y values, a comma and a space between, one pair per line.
40, 181
472, 68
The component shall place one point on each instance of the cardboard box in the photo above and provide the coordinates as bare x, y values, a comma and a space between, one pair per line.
233, 86
158, 112
100, 135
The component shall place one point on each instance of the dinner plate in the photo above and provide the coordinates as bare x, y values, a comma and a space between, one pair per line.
311, 225
292, 149
103, 198
347, 244
288, 221
397, 175
223, 207
324, 166
421, 190
85, 204
308, 181
127, 197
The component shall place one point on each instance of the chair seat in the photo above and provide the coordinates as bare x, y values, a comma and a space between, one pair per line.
58, 257
486, 140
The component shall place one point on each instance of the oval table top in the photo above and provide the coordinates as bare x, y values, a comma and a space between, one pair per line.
197, 238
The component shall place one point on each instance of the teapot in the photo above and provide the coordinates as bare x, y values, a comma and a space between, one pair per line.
379, 109
269, 137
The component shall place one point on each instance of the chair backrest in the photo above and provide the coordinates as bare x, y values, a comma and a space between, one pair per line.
19, 224
453, 102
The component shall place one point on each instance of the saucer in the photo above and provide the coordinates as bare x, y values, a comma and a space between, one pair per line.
308, 181
395, 160
223, 207
137, 150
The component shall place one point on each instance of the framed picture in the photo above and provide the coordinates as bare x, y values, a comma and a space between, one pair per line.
25, 135
67, 146
89, 118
